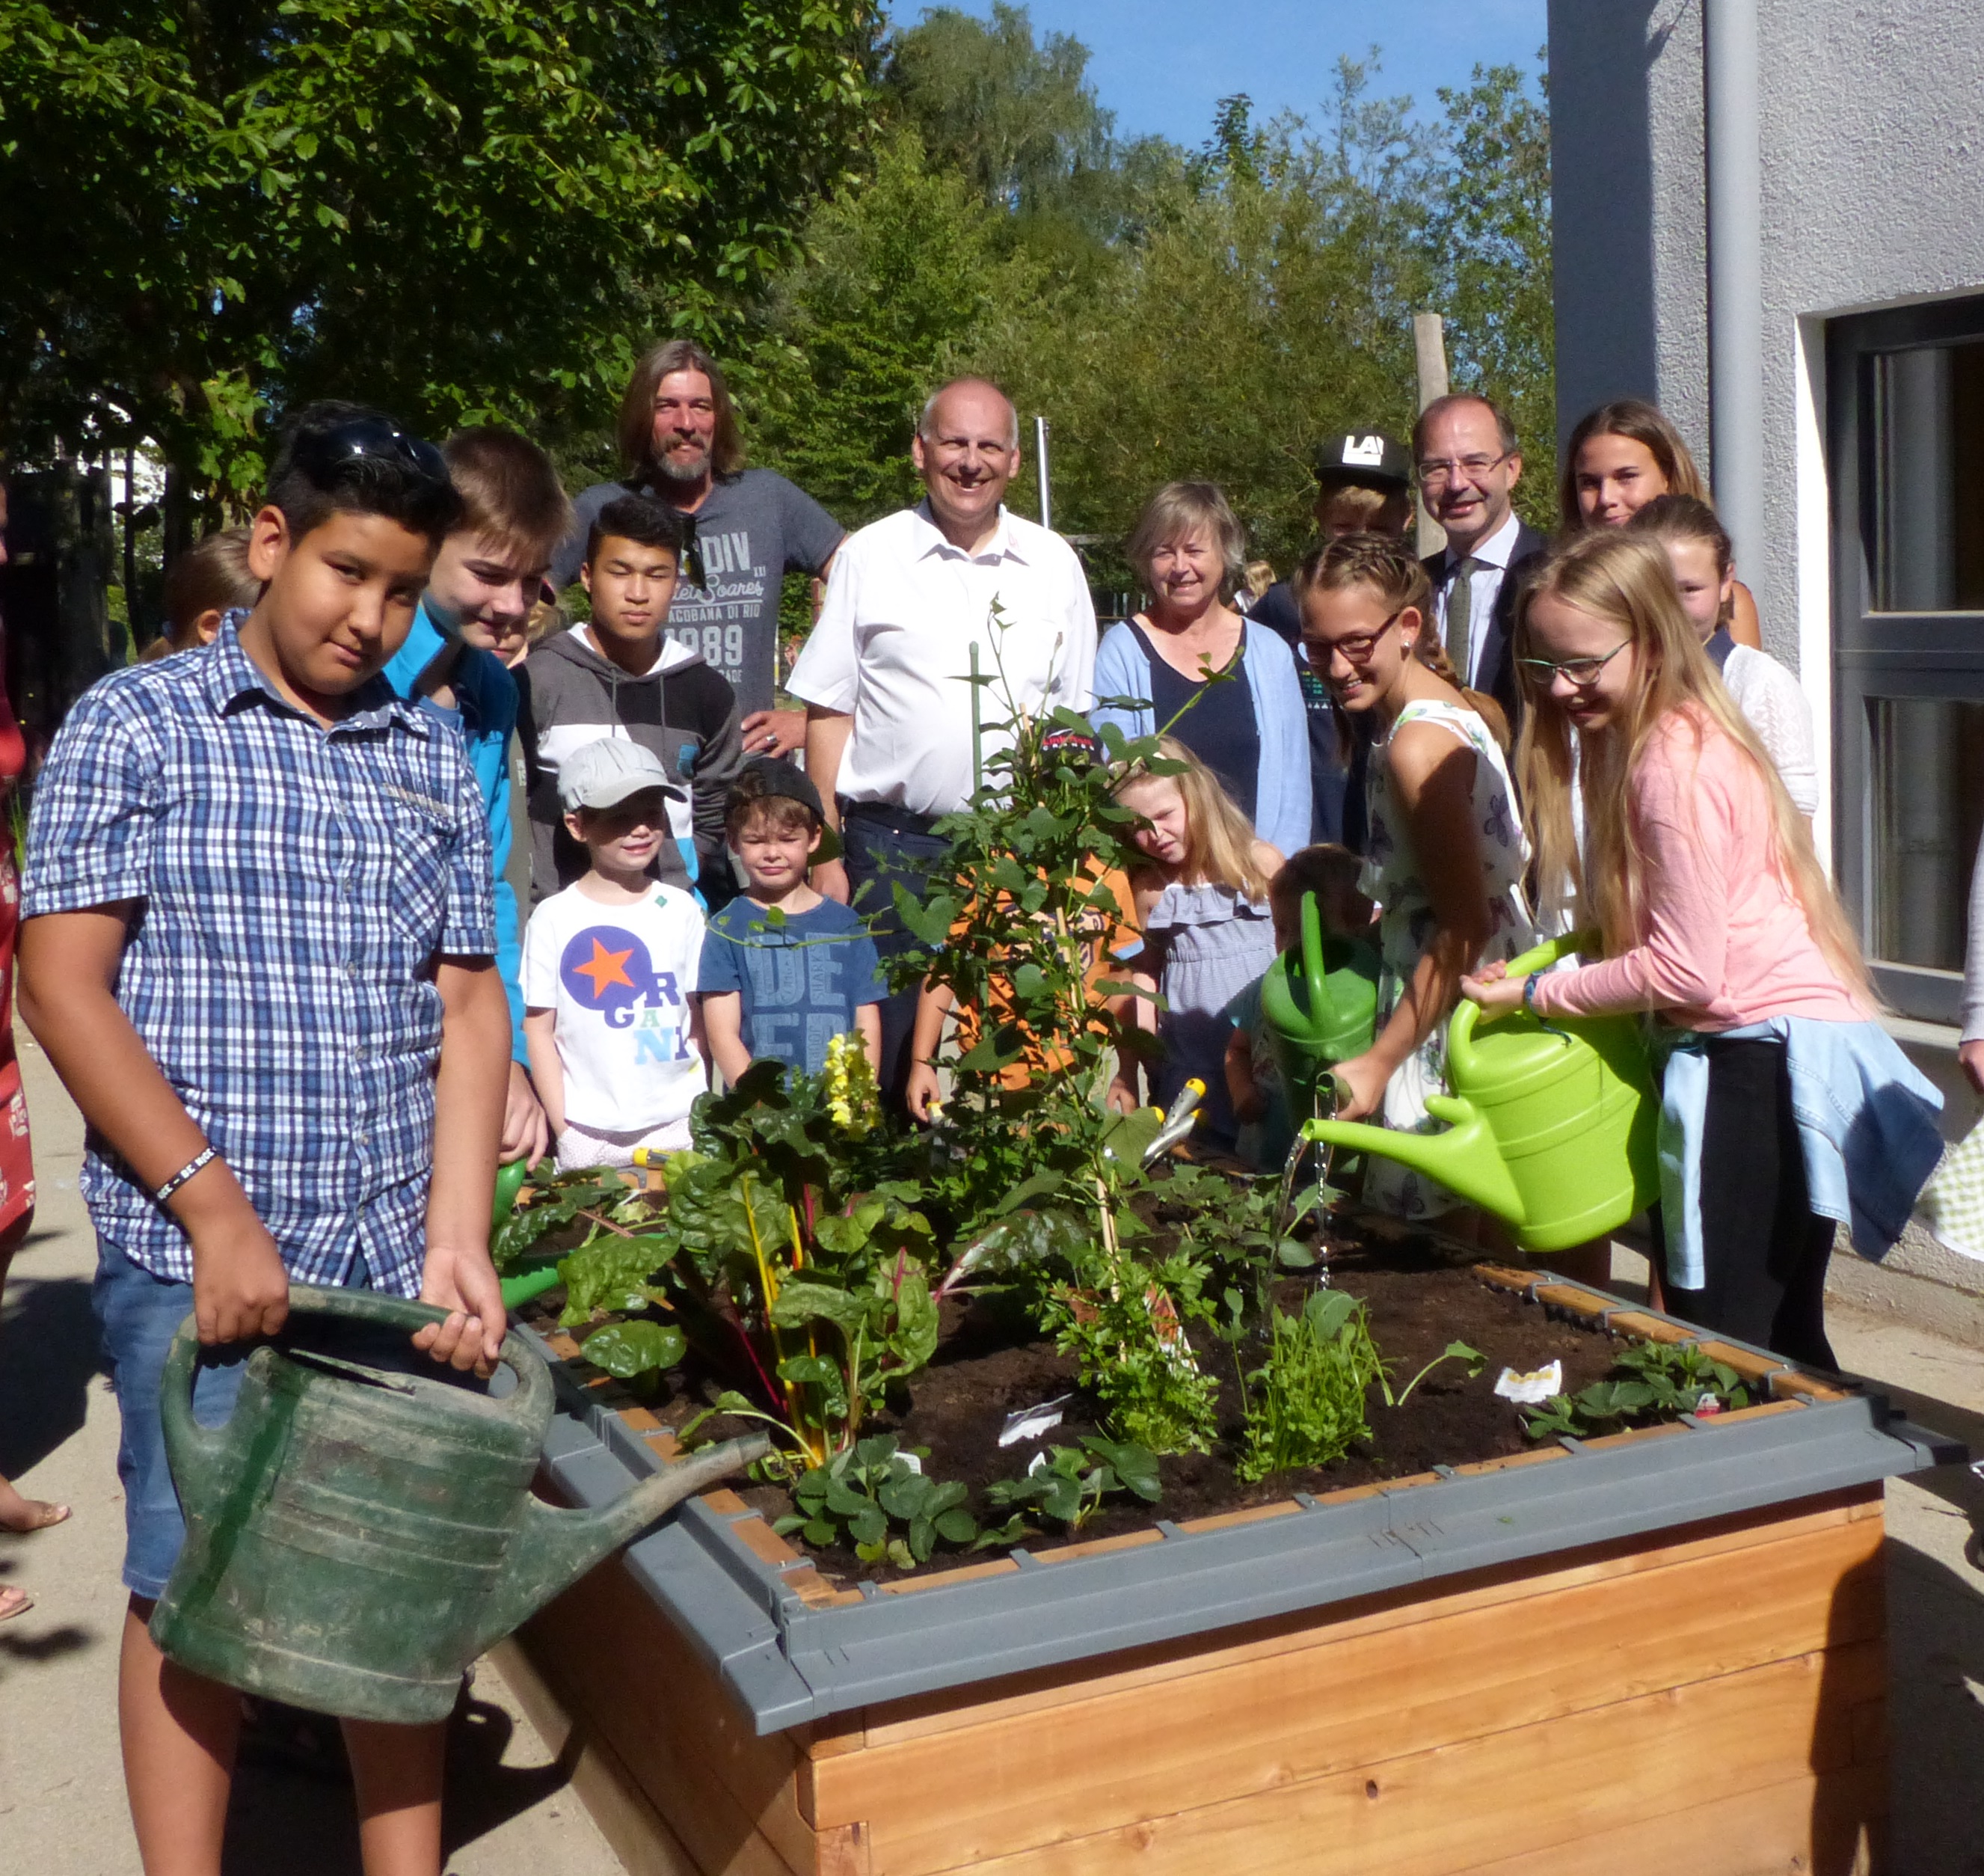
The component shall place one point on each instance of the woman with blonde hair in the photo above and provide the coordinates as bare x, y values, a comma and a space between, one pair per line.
1620, 457
1785, 1105
1201, 902
1198, 669
1445, 853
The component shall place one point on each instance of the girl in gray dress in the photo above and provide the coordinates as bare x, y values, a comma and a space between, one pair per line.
1202, 904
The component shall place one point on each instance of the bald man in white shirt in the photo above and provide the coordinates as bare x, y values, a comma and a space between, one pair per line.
885, 675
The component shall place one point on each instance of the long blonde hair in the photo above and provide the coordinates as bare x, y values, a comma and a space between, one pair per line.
1624, 577
1218, 838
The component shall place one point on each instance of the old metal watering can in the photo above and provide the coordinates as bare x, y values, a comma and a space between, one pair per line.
356, 1536
1320, 1003
1551, 1125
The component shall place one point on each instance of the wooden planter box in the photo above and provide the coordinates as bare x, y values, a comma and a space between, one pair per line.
1658, 1651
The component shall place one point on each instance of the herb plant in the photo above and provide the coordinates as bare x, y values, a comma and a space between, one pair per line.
874, 1497
1309, 1404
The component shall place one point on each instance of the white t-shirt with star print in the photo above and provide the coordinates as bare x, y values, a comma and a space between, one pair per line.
619, 978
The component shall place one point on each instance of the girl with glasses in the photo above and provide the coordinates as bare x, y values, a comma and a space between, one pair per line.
1446, 854
1785, 1105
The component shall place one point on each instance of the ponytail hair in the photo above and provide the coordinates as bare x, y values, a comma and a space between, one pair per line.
1390, 570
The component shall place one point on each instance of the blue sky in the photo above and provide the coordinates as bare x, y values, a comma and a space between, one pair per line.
1161, 65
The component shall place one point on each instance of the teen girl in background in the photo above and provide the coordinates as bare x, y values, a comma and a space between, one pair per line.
1620, 457
1785, 1105
1445, 853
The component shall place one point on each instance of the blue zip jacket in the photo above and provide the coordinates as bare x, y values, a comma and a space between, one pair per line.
1282, 807
485, 695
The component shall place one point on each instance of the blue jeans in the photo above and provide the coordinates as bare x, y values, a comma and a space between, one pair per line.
139, 1315
879, 858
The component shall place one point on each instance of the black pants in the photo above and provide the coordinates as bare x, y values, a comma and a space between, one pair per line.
1763, 1253
883, 848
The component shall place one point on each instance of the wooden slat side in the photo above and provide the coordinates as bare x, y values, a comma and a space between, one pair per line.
844, 1852
1097, 1546
1248, 1728
1253, 1513
1830, 1823
629, 1678
971, 1572
921, 1714
1530, 1789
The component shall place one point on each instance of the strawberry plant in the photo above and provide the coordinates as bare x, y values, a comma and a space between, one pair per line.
875, 1499
1662, 1381
1068, 1483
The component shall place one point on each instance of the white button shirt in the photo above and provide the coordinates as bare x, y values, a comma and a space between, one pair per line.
893, 650
1492, 559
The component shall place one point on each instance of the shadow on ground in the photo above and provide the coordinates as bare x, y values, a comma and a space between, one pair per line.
48, 1354
304, 1822
1936, 1673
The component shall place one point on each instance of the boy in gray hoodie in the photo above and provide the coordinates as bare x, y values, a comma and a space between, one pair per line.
622, 675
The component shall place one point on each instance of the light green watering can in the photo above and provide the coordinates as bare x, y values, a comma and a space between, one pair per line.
1320, 1004
1551, 1126
357, 1536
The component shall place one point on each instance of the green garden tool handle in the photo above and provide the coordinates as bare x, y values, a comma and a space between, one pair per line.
510, 1177
1467, 1012
196, 1450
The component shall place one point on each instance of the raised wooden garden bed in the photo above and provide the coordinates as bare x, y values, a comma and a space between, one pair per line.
1659, 1651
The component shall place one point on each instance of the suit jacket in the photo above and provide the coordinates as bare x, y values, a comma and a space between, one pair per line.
1499, 664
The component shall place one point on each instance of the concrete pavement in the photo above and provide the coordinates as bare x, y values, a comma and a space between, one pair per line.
510, 1807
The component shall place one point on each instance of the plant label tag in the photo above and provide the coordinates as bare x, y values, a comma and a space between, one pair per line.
1039, 1463
912, 1461
1532, 1389
1029, 1423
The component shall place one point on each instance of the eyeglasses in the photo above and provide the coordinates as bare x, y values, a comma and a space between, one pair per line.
1443, 470
1582, 673
373, 439
1357, 648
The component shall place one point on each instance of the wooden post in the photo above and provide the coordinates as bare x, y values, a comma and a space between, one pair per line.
1430, 350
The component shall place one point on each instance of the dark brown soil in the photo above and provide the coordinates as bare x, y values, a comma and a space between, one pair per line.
991, 1362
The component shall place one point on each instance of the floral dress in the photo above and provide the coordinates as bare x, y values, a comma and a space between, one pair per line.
1407, 922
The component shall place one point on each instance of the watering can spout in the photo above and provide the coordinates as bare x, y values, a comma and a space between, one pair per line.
1464, 1159
553, 1548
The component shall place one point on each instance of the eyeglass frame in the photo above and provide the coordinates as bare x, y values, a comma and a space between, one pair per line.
1549, 668
1442, 468
1366, 641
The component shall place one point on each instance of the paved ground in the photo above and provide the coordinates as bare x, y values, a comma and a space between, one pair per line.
61, 1787
510, 1811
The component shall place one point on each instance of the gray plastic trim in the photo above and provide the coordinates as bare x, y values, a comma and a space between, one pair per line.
786, 1662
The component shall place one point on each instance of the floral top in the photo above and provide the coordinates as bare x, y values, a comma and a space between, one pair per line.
1407, 921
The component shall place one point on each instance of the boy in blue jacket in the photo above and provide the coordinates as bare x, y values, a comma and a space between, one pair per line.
487, 577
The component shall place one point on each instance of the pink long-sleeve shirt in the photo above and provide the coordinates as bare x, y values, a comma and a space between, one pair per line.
1726, 943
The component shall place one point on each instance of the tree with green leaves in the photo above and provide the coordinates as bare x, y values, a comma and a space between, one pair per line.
461, 212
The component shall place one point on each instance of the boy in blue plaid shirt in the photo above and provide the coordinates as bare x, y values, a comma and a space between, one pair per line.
257, 945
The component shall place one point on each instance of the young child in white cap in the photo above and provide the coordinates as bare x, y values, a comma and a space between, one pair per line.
610, 969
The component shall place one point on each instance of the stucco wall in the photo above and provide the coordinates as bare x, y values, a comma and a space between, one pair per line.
1873, 163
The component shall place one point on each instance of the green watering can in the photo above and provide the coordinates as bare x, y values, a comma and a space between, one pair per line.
1551, 1126
356, 1536
1320, 1004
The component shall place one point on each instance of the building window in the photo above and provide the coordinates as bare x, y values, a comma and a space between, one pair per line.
1907, 447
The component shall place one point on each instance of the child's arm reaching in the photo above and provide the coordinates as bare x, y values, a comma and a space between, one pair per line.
723, 1024
470, 1087
922, 1091
69, 967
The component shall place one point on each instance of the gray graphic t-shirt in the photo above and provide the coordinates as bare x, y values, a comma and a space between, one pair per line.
756, 528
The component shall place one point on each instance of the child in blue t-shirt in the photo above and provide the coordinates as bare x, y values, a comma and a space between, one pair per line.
784, 988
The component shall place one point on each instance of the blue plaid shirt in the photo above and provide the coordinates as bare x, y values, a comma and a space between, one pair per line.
294, 885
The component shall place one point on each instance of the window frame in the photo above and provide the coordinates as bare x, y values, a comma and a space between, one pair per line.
1879, 654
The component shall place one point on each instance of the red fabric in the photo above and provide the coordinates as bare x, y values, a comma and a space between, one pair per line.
17, 1161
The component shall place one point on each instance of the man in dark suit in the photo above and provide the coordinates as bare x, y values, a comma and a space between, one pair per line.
1468, 462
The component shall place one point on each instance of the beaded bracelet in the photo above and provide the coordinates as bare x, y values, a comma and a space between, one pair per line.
186, 1172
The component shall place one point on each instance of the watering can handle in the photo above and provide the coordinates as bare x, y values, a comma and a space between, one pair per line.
1311, 945
1467, 1012
191, 1444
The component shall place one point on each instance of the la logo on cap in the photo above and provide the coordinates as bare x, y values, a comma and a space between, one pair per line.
1367, 452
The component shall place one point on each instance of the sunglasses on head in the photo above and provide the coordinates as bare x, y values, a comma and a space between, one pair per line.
373, 439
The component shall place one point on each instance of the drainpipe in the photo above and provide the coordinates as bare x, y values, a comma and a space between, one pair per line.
1734, 162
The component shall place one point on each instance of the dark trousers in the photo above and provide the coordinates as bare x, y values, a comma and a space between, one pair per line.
883, 847
1763, 1253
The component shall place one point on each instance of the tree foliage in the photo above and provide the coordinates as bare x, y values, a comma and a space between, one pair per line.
459, 208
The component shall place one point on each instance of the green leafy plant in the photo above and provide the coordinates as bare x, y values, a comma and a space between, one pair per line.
873, 1496
1662, 1381
628, 1350
1308, 1408
1071, 1484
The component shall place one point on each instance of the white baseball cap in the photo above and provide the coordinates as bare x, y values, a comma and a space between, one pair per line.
613, 770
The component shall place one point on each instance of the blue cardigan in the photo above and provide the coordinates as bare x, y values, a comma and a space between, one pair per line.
1281, 803
487, 696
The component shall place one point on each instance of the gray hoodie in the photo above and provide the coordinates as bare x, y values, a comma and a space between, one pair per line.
680, 709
